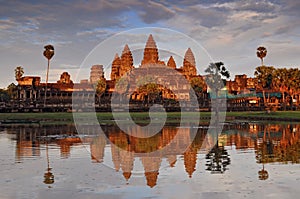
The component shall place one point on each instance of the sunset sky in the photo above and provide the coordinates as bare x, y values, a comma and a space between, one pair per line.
230, 31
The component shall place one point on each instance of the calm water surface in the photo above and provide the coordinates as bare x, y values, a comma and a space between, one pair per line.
250, 160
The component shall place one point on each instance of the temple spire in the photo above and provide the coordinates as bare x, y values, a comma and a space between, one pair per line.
171, 63
189, 64
150, 52
150, 42
126, 61
115, 68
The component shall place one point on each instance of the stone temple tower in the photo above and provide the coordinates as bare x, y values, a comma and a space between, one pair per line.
150, 52
126, 61
96, 73
115, 68
171, 63
189, 64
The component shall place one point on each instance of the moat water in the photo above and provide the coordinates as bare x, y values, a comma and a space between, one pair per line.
250, 160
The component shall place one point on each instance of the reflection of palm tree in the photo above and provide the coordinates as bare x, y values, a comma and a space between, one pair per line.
48, 176
217, 159
263, 174
48, 53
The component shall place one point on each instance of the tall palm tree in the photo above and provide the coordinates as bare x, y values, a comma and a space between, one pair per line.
261, 53
280, 82
48, 53
19, 72
216, 81
264, 76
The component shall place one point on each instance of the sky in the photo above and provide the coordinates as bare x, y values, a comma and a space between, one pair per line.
229, 30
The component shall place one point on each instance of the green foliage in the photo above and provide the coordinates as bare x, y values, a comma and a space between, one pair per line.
122, 85
19, 72
147, 85
198, 84
216, 73
4, 96
12, 91
101, 87
265, 75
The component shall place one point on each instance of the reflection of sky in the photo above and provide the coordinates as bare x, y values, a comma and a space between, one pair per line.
230, 30
77, 177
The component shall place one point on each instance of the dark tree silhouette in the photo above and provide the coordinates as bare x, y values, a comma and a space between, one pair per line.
261, 53
48, 53
19, 72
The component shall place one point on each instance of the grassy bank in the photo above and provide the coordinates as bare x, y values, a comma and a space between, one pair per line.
141, 117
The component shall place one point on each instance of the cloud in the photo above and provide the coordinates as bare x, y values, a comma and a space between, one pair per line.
229, 29
153, 12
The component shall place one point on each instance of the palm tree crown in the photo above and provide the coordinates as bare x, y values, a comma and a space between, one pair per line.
261, 53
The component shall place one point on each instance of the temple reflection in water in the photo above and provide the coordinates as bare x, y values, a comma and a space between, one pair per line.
272, 143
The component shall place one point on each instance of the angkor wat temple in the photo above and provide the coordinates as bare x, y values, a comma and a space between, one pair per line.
174, 84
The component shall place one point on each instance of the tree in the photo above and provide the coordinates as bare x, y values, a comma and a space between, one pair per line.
148, 87
261, 53
280, 79
215, 81
215, 78
100, 88
4, 97
264, 75
217, 159
198, 84
19, 72
12, 91
48, 53
293, 82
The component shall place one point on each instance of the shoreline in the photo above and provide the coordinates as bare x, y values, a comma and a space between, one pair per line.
28, 119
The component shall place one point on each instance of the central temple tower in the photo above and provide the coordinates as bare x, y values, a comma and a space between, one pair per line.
150, 52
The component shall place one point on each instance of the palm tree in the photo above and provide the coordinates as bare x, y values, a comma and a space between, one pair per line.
19, 72
48, 53
280, 82
264, 76
261, 53
293, 82
215, 81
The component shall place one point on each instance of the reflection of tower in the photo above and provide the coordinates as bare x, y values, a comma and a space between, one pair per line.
97, 148
172, 160
48, 176
96, 73
127, 159
126, 61
190, 160
115, 153
151, 167
27, 144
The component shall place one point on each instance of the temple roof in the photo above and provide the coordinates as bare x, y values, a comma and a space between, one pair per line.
126, 49
117, 55
171, 63
150, 42
189, 56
